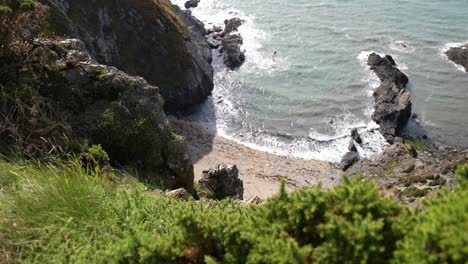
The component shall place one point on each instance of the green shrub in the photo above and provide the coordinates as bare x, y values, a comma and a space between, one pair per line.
440, 233
60, 213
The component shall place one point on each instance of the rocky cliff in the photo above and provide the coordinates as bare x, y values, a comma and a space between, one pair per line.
144, 38
99, 104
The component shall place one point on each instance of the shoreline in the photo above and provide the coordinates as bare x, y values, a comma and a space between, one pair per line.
260, 171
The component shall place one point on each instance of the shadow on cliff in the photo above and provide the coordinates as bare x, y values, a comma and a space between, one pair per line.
198, 126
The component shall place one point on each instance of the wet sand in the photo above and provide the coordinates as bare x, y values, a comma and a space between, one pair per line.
261, 172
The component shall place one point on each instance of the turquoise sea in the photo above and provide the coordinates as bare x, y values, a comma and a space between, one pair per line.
304, 100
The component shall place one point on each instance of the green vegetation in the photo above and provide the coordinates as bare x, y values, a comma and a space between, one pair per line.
59, 212
420, 146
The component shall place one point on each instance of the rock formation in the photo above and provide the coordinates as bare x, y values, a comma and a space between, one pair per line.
191, 3
392, 100
459, 55
222, 182
233, 57
103, 105
144, 38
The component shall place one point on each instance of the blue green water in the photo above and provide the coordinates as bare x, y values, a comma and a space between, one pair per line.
304, 100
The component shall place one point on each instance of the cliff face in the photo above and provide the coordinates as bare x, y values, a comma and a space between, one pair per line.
144, 38
102, 105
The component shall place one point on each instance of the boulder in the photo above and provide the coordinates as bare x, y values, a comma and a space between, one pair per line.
233, 57
151, 39
180, 194
191, 3
349, 159
221, 182
392, 100
106, 106
459, 55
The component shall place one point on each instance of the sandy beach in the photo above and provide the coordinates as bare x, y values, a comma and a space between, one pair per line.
261, 172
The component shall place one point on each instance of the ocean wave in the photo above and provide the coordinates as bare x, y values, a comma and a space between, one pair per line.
225, 112
402, 46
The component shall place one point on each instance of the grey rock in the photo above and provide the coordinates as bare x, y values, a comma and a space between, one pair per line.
392, 100
352, 146
222, 182
348, 160
459, 55
355, 136
144, 40
180, 194
191, 3
123, 113
232, 25
233, 57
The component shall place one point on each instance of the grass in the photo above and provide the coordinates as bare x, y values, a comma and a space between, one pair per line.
59, 212
420, 146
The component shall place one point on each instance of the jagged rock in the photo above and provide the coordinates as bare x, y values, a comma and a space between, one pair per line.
180, 194
355, 136
214, 43
191, 3
222, 182
178, 160
399, 150
233, 57
152, 39
352, 146
215, 29
106, 106
349, 159
459, 55
392, 100
232, 25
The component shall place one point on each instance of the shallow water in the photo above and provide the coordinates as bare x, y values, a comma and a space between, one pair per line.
304, 100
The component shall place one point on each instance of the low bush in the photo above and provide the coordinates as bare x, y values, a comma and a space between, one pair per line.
60, 212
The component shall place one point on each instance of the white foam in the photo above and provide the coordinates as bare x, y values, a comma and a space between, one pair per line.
226, 110
402, 46
449, 46
369, 76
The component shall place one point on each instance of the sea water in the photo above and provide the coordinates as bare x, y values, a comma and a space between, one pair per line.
304, 100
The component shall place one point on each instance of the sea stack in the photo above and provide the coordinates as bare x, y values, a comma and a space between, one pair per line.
392, 99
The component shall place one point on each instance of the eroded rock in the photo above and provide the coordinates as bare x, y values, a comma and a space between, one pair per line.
392, 100
459, 55
222, 182
152, 39
191, 3
106, 106
233, 56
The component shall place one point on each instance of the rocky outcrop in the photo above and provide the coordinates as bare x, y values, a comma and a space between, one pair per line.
392, 100
191, 3
349, 159
106, 106
411, 170
221, 182
232, 25
459, 55
145, 38
233, 57
228, 43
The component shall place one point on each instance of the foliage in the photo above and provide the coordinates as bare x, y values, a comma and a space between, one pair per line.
63, 213
440, 233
